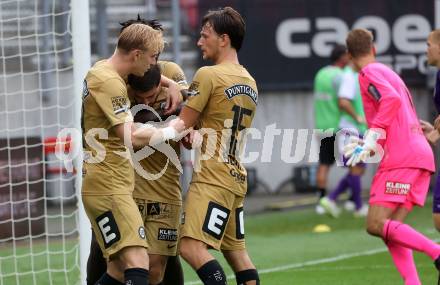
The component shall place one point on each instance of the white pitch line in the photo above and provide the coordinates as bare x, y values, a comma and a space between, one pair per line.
358, 267
308, 263
323, 260
312, 262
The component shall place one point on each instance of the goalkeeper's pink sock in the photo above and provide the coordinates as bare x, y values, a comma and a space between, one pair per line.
404, 261
404, 235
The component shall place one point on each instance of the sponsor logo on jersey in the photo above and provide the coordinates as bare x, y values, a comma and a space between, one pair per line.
153, 209
142, 232
241, 89
108, 228
120, 104
231, 160
239, 223
182, 218
180, 79
238, 177
193, 89
141, 207
215, 220
167, 234
397, 188
374, 92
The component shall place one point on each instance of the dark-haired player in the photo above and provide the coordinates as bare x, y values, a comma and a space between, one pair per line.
224, 99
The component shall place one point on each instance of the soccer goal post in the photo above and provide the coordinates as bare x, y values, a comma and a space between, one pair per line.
82, 61
44, 57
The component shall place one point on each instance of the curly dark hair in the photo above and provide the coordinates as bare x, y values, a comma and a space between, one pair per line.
147, 82
154, 23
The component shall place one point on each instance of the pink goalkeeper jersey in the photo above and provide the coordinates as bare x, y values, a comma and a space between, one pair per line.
388, 105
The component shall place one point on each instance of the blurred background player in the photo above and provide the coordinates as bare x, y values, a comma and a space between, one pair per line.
175, 93
432, 134
327, 114
109, 181
224, 98
403, 175
352, 122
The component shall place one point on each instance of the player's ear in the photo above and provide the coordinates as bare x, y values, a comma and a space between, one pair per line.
136, 54
374, 50
225, 40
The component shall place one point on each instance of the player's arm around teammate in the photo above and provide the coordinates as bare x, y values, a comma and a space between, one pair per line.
147, 90
96, 265
108, 180
158, 196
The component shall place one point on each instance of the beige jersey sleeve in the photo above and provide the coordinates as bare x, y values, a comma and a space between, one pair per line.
174, 72
113, 100
200, 89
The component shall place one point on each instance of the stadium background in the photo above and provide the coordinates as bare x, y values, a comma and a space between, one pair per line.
286, 43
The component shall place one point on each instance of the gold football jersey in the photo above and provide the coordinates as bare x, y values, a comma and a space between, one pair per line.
166, 188
162, 182
105, 104
226, 96
173, 72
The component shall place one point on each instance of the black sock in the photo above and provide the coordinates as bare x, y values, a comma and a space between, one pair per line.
136, 276
322, 192
108, 280
437, 263
96, 264
211, 273
247, 275
173, 272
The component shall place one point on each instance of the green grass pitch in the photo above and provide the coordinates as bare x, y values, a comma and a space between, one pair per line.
281, 244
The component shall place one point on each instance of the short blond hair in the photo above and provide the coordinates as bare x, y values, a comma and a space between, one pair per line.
359, 42
142, 37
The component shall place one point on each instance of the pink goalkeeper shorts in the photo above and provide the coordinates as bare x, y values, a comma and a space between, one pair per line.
404, 186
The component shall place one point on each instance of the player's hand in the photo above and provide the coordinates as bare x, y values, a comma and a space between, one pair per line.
437, 123
177, 124
192, 140
426, 127
349, 149
360, 120
175, 130
433, 137
360, 150
174, 98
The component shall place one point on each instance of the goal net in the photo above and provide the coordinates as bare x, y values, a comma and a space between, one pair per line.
39, 216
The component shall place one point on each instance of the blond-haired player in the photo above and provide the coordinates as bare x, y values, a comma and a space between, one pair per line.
158, 195
174, 80
108, 130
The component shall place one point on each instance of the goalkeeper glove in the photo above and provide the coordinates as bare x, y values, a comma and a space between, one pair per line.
359, 150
